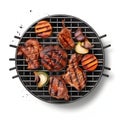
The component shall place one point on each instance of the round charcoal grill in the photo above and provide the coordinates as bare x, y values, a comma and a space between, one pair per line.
27, 77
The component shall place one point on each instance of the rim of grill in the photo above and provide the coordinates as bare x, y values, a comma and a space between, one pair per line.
93, 78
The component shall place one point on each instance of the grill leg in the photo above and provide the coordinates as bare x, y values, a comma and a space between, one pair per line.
15, 76
102, 36
106, 46
107, 68
105, 75
12, 68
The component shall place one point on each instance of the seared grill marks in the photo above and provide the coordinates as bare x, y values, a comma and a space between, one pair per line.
89, 62
72, 23
54, 58
57, 88
65, 38
75, 76
43, 29
31, 51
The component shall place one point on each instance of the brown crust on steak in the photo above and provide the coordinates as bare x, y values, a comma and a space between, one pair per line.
75, 76
57, 88
53, 58
65, 38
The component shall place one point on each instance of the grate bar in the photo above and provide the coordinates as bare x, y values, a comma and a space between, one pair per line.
34, 76
49, 95
60, 17
33, 80
22, 65
39, 59
68, 27
58, 32
64, 22
47, 70
56, 42
55, 37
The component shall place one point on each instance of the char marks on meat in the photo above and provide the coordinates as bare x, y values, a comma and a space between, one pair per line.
30, 51
65, 38
57, 88
75, 76
53, 58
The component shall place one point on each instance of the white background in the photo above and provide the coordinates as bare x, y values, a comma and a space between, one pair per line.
102, 103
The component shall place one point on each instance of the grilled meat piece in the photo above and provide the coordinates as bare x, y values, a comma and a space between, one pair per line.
54, 58
65, 38
75, 76
57, 88
31, 51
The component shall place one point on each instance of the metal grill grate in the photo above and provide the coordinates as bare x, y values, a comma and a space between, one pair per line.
27, 77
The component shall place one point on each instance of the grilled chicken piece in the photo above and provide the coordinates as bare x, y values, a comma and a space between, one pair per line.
31, 51
65, 38
57, 88
54, 58
75, 76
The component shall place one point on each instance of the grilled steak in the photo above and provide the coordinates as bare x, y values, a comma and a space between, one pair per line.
53, 58
57, 88
65, 38
75, 76
31, 51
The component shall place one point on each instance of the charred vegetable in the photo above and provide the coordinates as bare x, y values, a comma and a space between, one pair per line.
41, 78
80, 49
87, 44
79, 35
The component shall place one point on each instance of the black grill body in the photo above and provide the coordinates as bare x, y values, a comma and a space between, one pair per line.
27, 77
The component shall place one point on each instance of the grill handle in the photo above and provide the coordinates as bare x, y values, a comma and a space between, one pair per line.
12, 68
102, 36
12, 59
107, 46
17, 37
105, 75
15, 76
107, 68
14, 46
